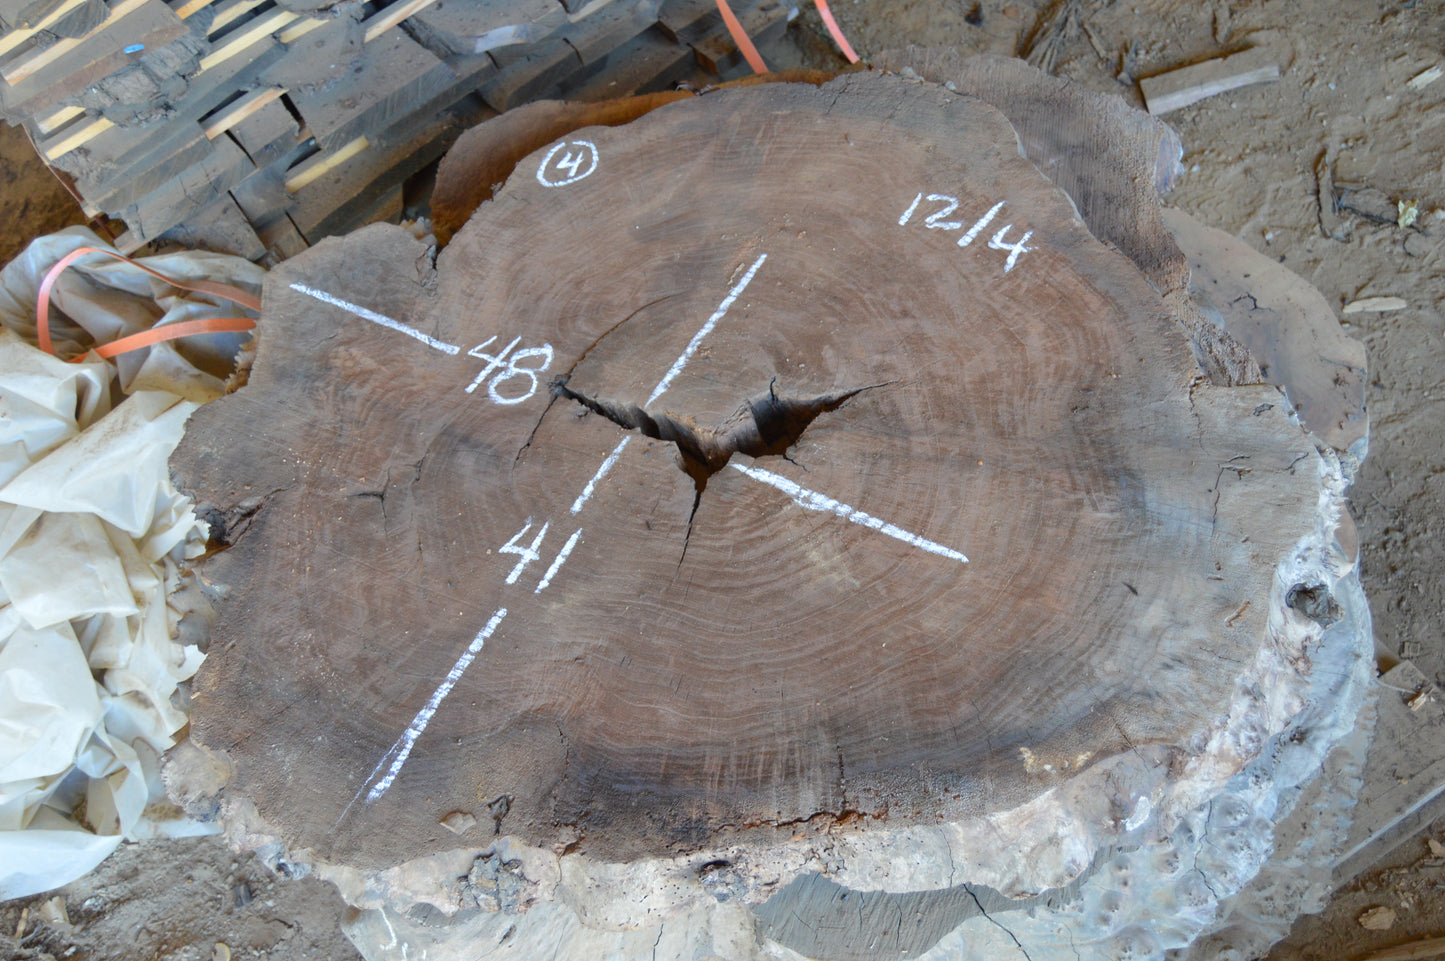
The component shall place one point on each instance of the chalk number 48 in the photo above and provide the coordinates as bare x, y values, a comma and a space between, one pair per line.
505, 367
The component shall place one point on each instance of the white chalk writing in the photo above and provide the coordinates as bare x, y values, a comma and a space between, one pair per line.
506, 369
935, 221
558, 561
578, 160
403, 746
376, 318
527, 554
813, 501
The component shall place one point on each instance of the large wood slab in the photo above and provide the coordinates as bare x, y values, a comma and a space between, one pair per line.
983, 525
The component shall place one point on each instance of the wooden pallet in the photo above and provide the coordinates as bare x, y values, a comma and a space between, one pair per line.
250, 127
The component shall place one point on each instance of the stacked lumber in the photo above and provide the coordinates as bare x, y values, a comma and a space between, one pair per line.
257, 127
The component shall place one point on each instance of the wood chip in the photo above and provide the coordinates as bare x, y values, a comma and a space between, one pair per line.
1167, 92
1413, 951
1378, 919
54, 911
1374, 305
1422, 80
1332, 225
459, 822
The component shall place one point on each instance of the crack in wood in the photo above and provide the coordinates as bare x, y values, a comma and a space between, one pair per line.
765, 427
581, 357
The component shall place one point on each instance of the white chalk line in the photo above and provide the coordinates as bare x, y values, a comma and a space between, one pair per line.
667, 378
558, 561
981, 223
706, 329
376, 318
586, 494
813, 501
424, 716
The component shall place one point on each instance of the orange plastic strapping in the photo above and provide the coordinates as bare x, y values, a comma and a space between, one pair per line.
835, 31
184, 328
155, 335
741, 38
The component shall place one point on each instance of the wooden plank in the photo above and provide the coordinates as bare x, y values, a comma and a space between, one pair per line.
220, 227
718, 52
20, 35
598, 35
27, 66
687, 21
241, 39
269, 134
263, 196
393, 15
181, 147
206, 89
58, 119
478, 27
281, 238
322, 164
545, 65
301, 28
235, 113
230, 12
56, 147
393, 75
1423, 950
313, 59
649, 62
134, 27
1404, 789
342, 199
577, 9
187, 8
186, 194
1167, 92
119, 156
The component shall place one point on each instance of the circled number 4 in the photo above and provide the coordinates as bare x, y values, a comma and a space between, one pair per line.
505, 367
578, 159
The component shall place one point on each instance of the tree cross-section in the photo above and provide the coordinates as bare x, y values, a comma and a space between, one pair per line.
790, 457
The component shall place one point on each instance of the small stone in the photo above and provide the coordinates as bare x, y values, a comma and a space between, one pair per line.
1378, 919
1436, 848
1409, 212
459, 822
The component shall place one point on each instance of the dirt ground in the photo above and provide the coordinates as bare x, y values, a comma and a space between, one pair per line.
1344, 102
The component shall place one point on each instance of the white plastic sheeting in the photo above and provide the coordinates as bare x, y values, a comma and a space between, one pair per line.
92, 539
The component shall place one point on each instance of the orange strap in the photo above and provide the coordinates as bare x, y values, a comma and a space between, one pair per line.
184, 328
155, 335
741, 38
834, 30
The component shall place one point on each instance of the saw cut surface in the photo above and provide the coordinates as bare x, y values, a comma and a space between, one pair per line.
788, 457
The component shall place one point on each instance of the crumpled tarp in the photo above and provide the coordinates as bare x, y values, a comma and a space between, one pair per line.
93, 538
